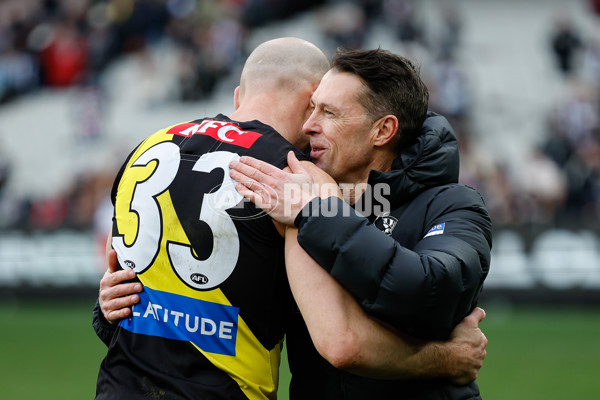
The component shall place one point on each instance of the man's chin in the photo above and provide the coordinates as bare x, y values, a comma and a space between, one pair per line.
319, 163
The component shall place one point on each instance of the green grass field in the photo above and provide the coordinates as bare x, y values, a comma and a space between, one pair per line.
48, 351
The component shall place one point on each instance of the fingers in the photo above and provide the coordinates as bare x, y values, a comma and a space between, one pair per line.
119, 302
111, 279
262, 166
115, 316
110, 293
256, 193
242, 172
118, 308
250, 184
478, 314
113, 263
252, 180
484, 344
116, 297
254, 168
294, 164
253, 183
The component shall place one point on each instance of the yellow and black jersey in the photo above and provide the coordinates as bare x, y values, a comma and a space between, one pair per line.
210, 321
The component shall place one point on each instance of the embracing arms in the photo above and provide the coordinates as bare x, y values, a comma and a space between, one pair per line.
340, 328
115, 298
341, 331
422, 287
349, 339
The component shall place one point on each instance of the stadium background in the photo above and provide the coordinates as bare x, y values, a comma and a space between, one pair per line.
83, 81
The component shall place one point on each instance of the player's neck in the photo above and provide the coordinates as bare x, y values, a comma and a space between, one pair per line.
268, 111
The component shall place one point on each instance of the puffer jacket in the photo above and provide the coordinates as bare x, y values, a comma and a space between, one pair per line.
417, 262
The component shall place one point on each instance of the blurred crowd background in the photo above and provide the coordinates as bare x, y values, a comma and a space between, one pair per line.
83, 81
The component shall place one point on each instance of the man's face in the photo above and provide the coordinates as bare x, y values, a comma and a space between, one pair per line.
340, 129
302, 116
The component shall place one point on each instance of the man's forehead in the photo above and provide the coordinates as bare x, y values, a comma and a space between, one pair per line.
337, 85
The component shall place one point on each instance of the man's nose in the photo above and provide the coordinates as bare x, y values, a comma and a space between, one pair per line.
310, 126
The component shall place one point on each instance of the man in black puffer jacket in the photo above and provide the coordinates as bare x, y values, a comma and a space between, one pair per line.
416, 255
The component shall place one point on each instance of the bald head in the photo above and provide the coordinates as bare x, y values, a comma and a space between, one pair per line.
283, 64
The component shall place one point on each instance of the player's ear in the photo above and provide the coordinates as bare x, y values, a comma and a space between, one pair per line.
385, 130
236, 98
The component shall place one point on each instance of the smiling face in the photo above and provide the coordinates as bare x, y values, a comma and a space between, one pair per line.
340, 130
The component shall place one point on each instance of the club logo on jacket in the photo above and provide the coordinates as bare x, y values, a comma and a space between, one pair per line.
386, 223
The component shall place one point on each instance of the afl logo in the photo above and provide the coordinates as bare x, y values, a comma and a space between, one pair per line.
199, 278
130, 264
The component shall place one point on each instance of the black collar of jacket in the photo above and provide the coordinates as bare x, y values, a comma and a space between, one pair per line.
432, 161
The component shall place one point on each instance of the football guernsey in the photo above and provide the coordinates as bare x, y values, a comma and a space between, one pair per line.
210, 321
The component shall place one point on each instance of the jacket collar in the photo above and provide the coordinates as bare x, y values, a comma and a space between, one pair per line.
432, 161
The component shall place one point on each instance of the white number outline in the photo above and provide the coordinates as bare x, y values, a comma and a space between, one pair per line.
149, 231
209, 273
195, 273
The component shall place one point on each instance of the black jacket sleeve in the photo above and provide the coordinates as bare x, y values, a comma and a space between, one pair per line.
104, 329
423, 291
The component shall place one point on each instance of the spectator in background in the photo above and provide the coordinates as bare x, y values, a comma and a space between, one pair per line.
48, 213
566, 43
576, 116
18, 73
255, 13
4, 171
450, 92
18, 64
210, 39
451, 28
343, 25
64, 60
556, 145
479, 170
500, 198
573, 145
543, 186
583, 194
403, 18
371, 9
590, 155
595, 6
11, 210
590, 67
226, 40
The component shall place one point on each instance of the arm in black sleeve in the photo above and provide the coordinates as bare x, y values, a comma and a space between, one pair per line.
104, 329
424, 291
342, 242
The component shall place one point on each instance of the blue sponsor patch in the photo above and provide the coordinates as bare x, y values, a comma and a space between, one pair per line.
436, 230
210, 326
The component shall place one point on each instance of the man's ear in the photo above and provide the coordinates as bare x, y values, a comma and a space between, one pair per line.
236, 98
386, 129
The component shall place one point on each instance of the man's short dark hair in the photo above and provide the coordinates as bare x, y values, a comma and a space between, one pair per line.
393, 87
